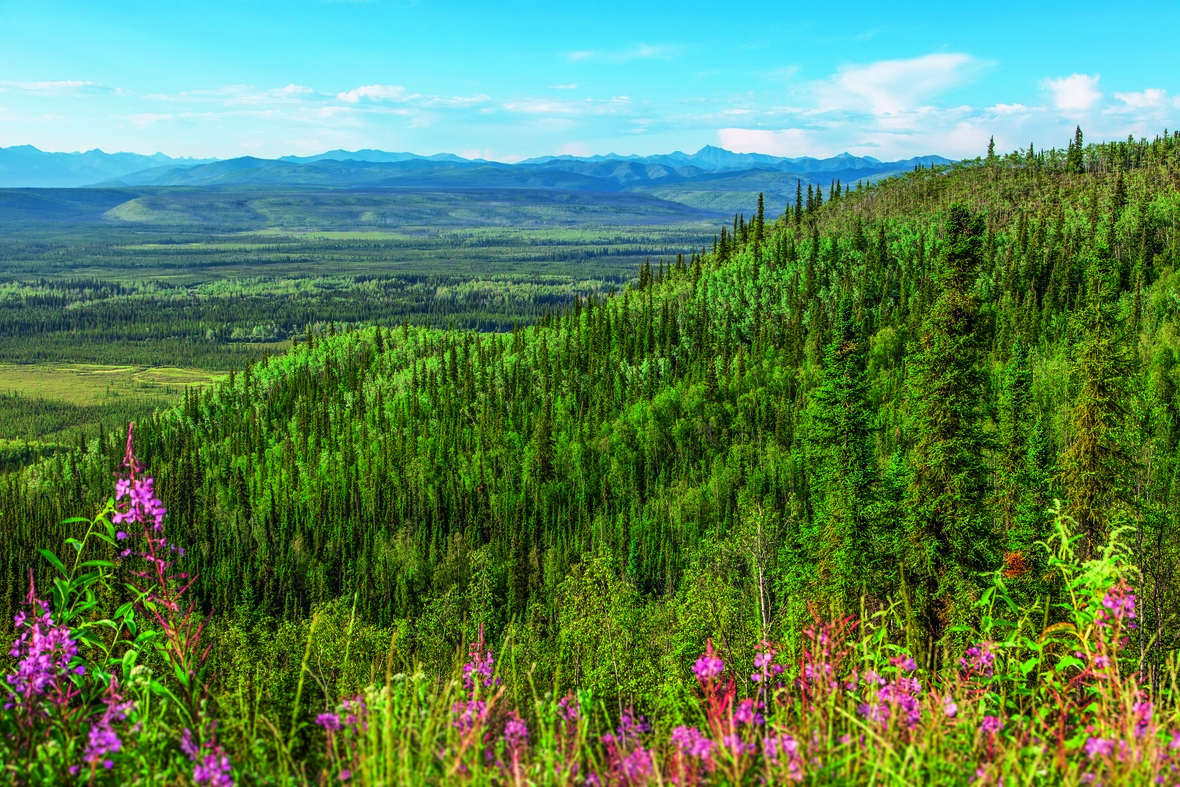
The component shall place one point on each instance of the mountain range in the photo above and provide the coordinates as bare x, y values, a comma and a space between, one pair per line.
712, 178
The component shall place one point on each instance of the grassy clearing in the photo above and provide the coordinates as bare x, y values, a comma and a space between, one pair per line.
94, 384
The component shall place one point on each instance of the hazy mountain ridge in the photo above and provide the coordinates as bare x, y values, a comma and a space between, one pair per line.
24, 166
712, 178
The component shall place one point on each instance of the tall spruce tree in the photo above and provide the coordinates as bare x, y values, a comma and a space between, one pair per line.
842, 480
1096, 462
949, 541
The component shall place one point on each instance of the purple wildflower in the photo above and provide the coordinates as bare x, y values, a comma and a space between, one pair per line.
102, 739
568, 709
631, 726
747, 713
709, 665
211, 766
636, 766
43, 651
904, 663
978, 660
991, 725
1120, 601
950, 707
1143, 711
329, 721
479, 669
691, 742
1098, 747
516, 734
469, 715
738, 746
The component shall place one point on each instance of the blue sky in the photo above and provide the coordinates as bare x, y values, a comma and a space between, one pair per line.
509, 80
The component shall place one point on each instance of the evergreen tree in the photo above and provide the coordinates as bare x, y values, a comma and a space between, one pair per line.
1075, 161
840, 457
1096, 462
948, 541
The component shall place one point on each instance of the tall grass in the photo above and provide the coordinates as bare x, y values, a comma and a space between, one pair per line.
109, 685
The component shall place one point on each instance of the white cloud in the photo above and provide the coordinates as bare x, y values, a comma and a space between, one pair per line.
58, 88
1008, 109
790, 142
637, 52
573, 86
892, 86
376, 93
1074, 92
1151, 97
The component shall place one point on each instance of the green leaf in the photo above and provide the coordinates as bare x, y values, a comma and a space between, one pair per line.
99, 563
53, 561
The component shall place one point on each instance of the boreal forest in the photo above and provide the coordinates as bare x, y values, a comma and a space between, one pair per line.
917, 419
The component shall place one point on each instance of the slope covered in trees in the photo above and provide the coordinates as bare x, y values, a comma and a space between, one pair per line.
871, 399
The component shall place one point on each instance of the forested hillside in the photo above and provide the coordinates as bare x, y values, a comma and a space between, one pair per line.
872, 398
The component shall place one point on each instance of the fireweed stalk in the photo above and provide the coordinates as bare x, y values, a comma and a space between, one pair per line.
161, 591
66, 713
1024, 703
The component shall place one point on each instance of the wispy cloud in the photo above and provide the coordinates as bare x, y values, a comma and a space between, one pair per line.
893, 86
573, 86
1077, 92
240, 95
56, 88
377, 93
637, 52
1151, 98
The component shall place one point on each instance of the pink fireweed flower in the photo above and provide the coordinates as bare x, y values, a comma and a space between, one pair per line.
1098, 747
764, 663
709, 665
102, 740
329, 721
468, 715
211, 766
978, 660
631, 726
1120, 601
738, 746
691, 742
637, 766
991, 725
569, 709
778, 746
516, 734
949, 707
480, 668
43, 651
903, 663
747, 713
1143, 712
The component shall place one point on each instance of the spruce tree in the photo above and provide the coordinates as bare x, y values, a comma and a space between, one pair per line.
1075, 162
948, 541
840, 455
1096, 462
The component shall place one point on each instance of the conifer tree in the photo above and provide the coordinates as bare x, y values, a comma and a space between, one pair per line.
948, 541
1096, 463
840, 455
1075, 161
